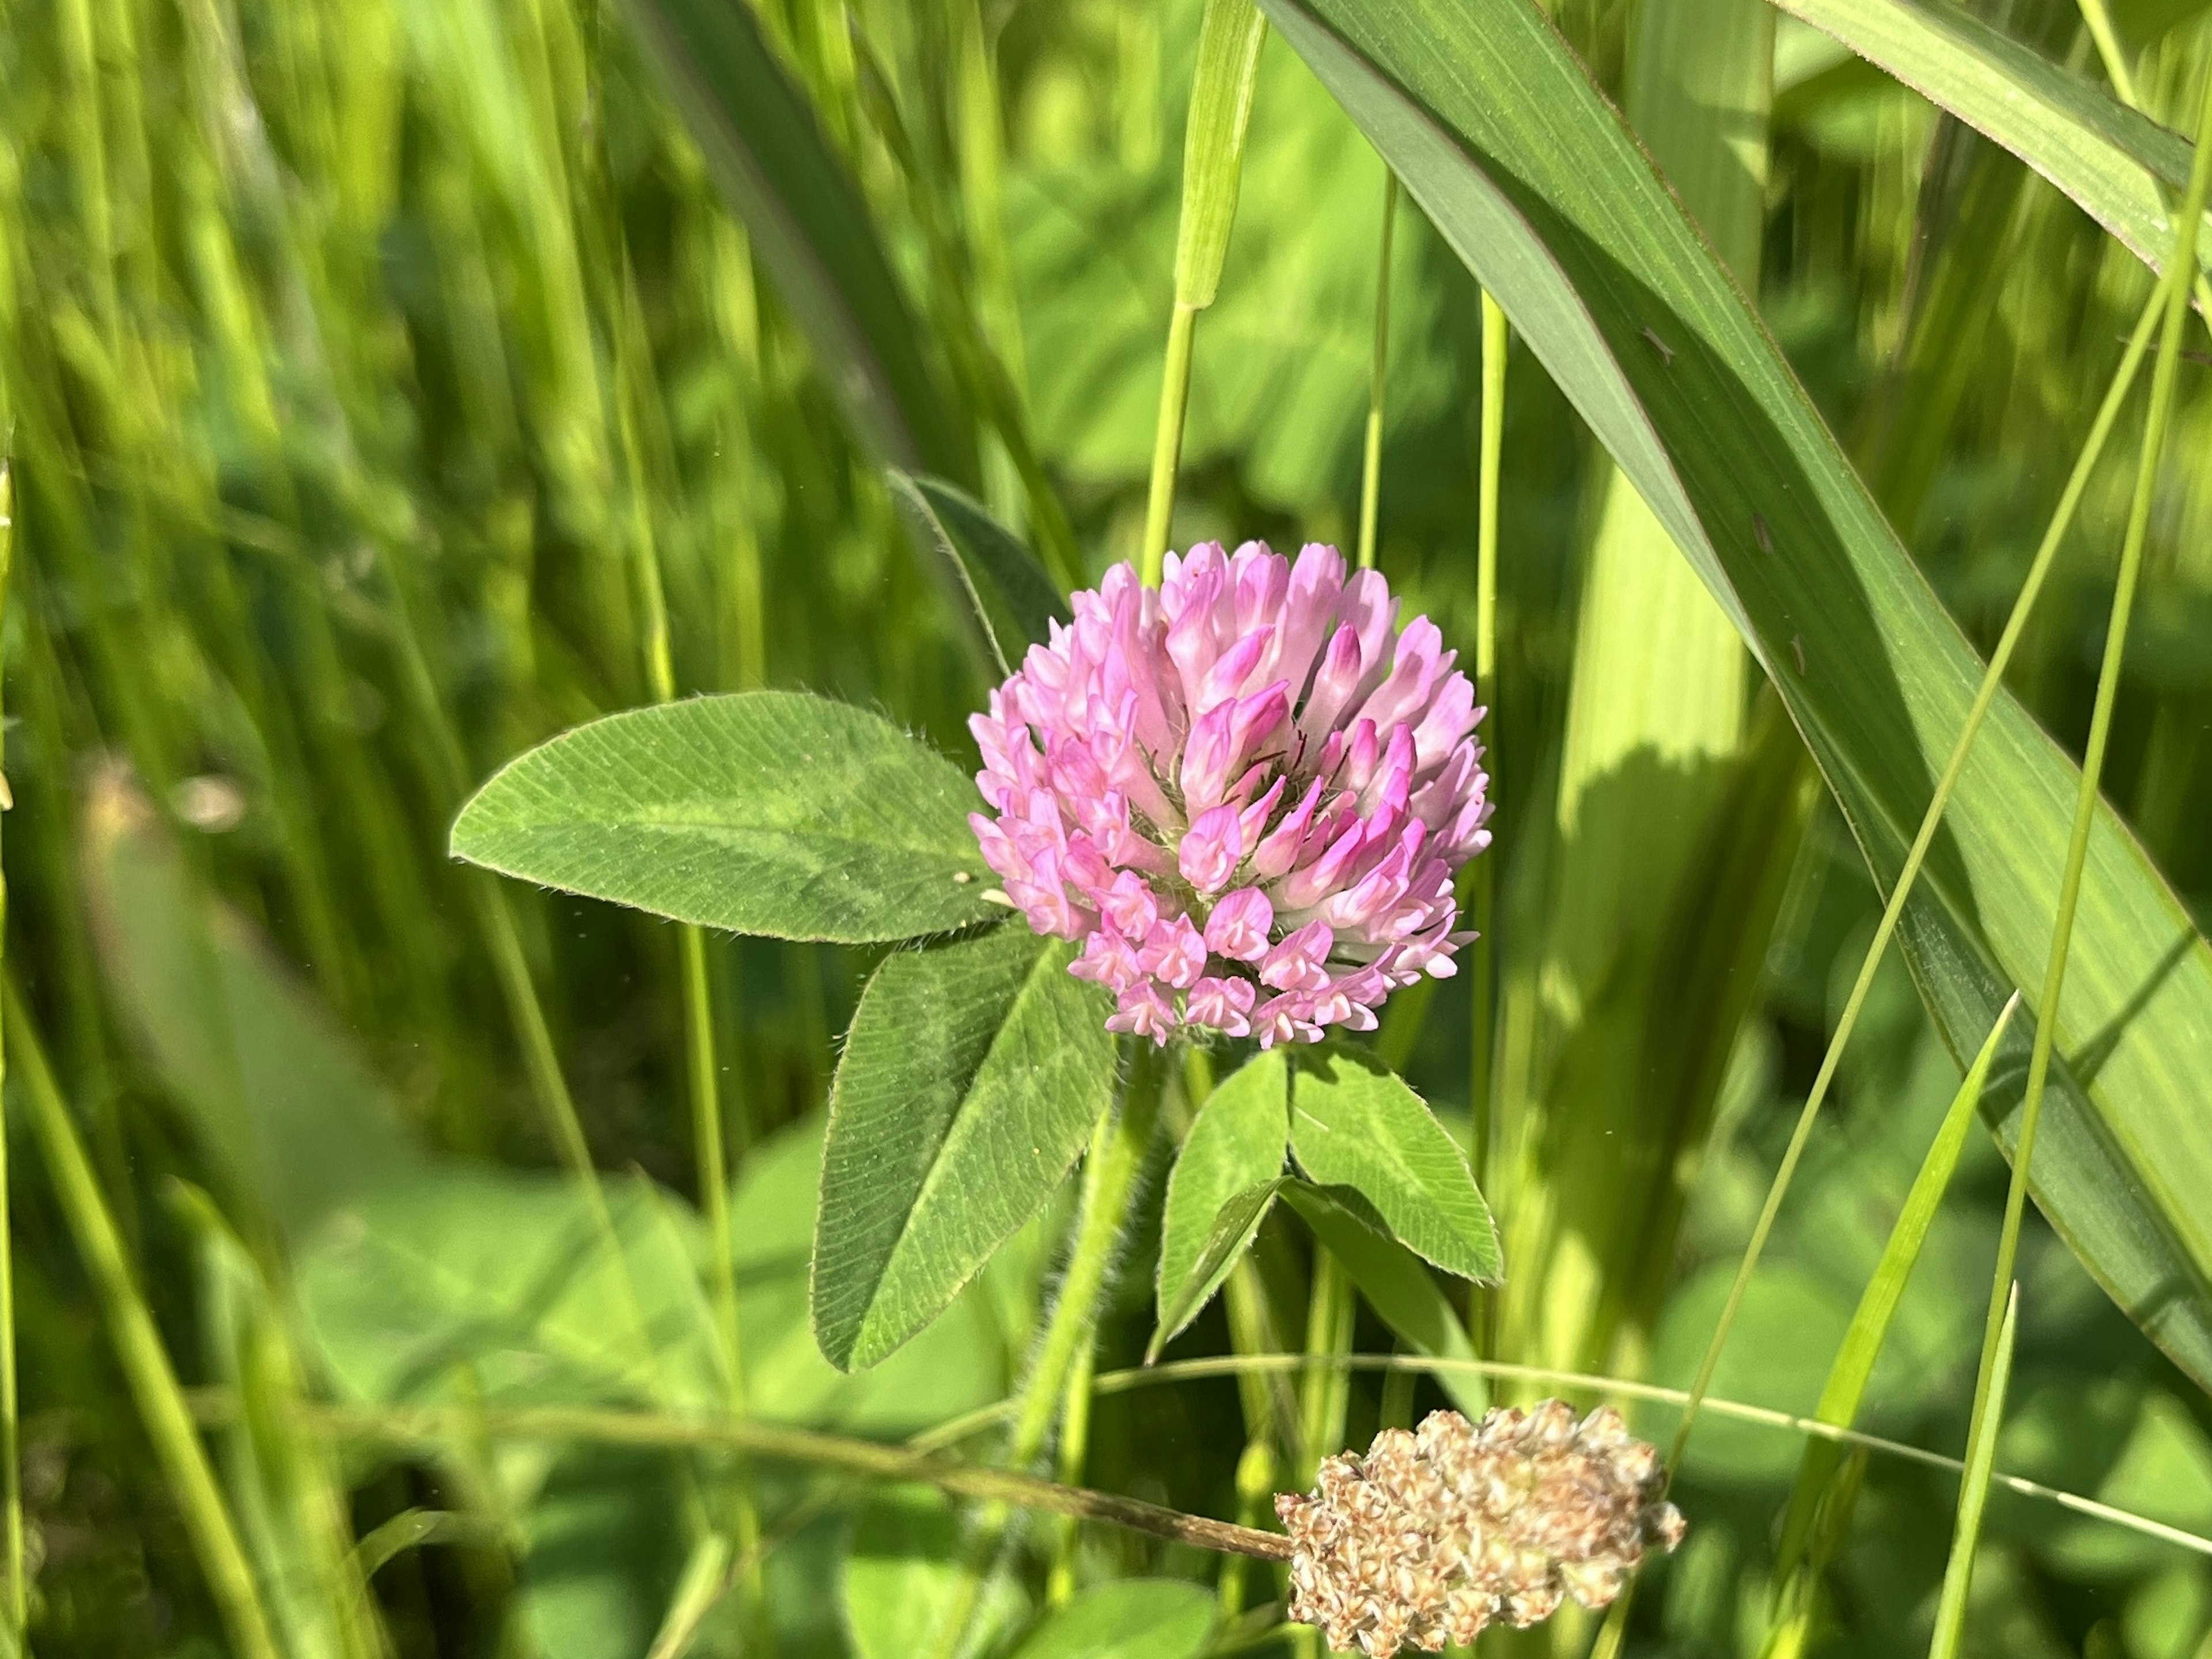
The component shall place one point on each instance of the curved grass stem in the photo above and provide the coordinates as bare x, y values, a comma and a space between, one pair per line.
17, 1588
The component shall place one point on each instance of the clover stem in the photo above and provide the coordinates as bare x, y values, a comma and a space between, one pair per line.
1110, 1176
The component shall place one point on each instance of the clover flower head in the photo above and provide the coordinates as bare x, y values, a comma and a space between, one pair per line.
1245, 792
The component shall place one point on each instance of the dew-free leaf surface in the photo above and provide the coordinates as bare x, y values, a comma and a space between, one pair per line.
1012, 597
973, 1072
769, 812
1221, 1188
1531, 177
1355, 1124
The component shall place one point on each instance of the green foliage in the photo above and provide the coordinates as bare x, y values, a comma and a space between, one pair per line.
764, 812
2109, 158
1228, 42
1013, 601
1829, 1474
1397, 1286
900, 1576
1223, 1184
1539, 187
1356, 1128
1136, 1617
359, 358
972, 1075
300, 1122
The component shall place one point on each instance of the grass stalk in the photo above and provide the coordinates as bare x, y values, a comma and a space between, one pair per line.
18, 1589
2098, 14
1074, 1449
1000, 1487
1996, 1360
1167, 443
1482, 961
1370, 465
1974, 1485
1229, 36
615, 1427
1826, 1487
153, 1380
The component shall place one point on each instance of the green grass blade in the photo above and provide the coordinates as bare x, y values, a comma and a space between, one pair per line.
2108, 157
17, 1588
1533, 179
809, 226
145, 1362
1229, 36
1974, 1487
1817, 1505
1995, 1361
1371, 463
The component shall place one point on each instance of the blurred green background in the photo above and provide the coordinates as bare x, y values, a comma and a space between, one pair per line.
353, 353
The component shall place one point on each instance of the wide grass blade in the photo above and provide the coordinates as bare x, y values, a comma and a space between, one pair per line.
767, 150
1533, 179
1615, 1095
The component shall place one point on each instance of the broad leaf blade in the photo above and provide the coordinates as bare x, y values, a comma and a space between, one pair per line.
972, 1073
2109, 158
1533, 179
505, 1277
1356, 1125
289, 1106
1234, 1225
1233, 1152
767, 152
1397, 1286
767, 813
1012, 600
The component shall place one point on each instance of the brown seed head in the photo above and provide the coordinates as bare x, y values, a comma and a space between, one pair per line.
1436, 1533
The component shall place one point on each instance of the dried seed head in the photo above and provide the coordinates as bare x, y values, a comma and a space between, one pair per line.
1436, 1535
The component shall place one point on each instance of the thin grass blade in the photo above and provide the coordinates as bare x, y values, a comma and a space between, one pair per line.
1819, 1508
1974, 1490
